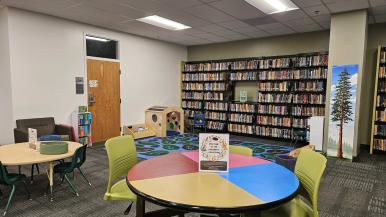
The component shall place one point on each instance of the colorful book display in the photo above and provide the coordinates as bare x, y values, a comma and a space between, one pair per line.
290, 90
81, 121
378, 132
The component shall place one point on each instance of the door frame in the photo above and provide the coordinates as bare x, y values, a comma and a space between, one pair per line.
85, 73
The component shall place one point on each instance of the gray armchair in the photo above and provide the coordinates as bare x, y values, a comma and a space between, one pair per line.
44, 126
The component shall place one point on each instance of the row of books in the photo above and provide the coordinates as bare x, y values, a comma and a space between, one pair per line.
214, 86
243, 118
382, 72
273, 121
380, 115
275, 75
380, 130
192, 104
382, 87
84, 118
380, 144
307, 111
300, 122
243, 76
238, 128
216, 116
265, 63
216, 125
309, 86
214, 96
241, 107
272, 109
273, 132
274, 98
383, 56
217, 106
317, 73
192, 86
381, 100
192, 95
274, 86
203, 96
84, 130
309, 99
203, 77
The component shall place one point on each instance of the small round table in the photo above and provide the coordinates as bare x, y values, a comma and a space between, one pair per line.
21, 154
173, 181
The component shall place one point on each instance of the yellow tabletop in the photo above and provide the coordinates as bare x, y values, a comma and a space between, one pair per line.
21, 154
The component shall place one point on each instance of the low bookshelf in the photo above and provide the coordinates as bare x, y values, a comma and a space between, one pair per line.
290, 89
378, 131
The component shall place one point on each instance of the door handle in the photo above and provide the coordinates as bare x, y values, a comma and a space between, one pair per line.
91, 99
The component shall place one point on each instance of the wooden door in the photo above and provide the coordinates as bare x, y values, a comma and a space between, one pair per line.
104, 99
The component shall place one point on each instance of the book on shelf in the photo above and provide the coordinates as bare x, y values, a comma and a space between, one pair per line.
218, 106
192, 104
239, 128
241, 118
215, 125
307, 111
191, 77
274, 98
275, 75
221, 116
274, 132
241, 107
192, 95
309, 99
243, 76
300, 122
274, 86
192, 86
273, 109
382, 58
380, 144
309, 86
214, 86
273, 121
214, 96
315, 73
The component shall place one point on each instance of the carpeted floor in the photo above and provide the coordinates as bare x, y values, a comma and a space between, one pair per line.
347, 190
155, 146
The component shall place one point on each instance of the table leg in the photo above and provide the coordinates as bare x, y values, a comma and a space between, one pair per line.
140, 207
51, 178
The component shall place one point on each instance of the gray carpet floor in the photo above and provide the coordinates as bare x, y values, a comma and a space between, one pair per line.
348, 189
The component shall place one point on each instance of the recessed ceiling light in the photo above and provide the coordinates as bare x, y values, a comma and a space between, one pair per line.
163, 22
273, 6
96, 38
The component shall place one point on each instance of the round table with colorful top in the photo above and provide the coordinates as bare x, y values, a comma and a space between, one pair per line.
174, 182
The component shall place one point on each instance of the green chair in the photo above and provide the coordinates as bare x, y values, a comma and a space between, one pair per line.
64, 168
11, 179
122, 155
235, 149
309, 169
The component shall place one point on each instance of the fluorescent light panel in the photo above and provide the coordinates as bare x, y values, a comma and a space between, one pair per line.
163, 22
273, 6
96, 38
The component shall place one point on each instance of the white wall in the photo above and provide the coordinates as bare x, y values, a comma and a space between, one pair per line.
6, 133
47, 54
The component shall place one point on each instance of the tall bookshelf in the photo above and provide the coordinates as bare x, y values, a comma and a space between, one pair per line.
378, 131
290, 88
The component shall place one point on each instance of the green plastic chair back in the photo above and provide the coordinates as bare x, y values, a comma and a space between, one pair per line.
235, 149
122, 155
309, 169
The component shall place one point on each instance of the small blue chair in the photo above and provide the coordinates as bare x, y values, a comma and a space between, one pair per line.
199, 121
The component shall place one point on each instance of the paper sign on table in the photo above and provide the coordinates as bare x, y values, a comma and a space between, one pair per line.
213, 152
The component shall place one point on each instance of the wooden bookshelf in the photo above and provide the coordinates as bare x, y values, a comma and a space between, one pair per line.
378, 129
290, 89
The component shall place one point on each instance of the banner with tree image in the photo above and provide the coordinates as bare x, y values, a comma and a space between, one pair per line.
342, 111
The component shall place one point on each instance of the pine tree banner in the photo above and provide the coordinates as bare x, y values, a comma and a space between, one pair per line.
342, 111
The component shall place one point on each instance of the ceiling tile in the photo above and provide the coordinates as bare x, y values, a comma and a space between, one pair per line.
258, 34
307, 28
116, 8
236, 36
181, 3
347, 5
238, 8
306, 3
209, 13
244, 30
234, 24
378, 10
271, 26
281, 31
316, 10
299, 22
43, 6
289, 15
211, 28
374, 3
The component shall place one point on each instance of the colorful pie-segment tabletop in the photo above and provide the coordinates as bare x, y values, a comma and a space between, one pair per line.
173, 181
